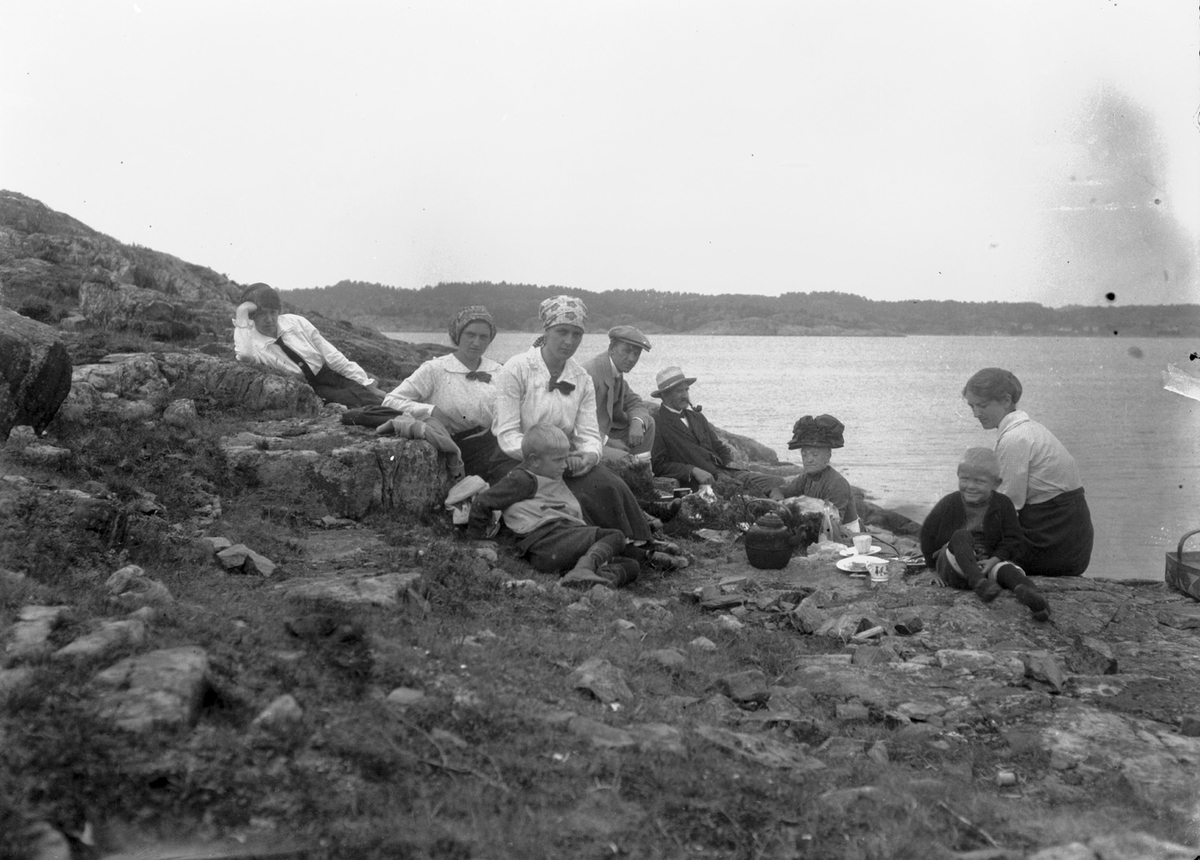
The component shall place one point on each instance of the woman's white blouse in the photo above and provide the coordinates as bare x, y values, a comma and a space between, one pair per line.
1034, 466
301, 336
442, 382
524, 398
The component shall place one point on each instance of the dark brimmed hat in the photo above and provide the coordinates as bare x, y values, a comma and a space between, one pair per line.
263, 295
824, 431
629, 334
668, 378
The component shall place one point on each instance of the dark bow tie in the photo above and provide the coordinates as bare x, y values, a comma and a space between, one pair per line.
479, 376
564, 387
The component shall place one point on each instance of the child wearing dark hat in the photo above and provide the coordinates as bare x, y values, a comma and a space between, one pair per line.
549, 523
816, 438
973, 536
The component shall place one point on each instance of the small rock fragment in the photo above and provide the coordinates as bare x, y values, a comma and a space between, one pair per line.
669, 658
852, 711
747, 689
1043, 666
1091, 656
285, 711
404, 696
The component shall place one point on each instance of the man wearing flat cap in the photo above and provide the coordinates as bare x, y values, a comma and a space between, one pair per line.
687, 447
625, 423
816, 438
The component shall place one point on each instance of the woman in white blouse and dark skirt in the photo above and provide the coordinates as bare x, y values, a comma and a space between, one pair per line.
458, 390
1038, 474
547, 386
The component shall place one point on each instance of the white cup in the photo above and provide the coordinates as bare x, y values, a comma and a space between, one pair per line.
877, 570
862, 544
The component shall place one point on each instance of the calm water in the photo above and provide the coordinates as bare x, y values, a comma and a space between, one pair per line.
1137, 445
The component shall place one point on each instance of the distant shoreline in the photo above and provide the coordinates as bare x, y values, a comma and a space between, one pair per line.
848, 333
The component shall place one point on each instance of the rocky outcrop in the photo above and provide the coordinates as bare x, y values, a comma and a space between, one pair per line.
323, 467
59, 269
160, 688
143, 384
35, 373
116, 306
977, 669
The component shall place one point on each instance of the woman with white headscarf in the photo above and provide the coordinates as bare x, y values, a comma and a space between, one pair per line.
545, 385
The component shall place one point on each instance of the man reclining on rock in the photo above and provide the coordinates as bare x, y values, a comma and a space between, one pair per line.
289, 342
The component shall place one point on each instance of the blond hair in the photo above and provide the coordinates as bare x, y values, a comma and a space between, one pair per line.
544, 439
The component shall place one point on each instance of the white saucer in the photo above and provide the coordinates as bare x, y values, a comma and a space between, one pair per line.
848, 564
851, 551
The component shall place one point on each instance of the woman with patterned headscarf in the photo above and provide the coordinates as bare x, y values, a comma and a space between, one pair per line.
547, 386
458, 390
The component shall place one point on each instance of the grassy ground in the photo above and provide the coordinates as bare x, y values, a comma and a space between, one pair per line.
488, 762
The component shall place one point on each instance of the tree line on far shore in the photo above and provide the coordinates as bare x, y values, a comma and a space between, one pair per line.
515, 308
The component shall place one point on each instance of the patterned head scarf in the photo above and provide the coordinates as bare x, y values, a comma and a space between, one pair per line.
561, 310
464, 317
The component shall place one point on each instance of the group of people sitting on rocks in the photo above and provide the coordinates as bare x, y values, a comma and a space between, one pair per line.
535, 429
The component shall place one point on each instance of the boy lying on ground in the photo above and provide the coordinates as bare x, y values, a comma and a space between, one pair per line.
549, 524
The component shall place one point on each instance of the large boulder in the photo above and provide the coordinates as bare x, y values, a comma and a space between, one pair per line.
323, 468
139, 385
117, 306
35, 373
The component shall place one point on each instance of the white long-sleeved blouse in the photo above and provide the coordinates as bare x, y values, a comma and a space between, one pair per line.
524, 398
1034, 466
249, 344
442, 382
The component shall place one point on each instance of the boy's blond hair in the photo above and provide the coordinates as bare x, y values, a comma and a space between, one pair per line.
981, 462
544, 439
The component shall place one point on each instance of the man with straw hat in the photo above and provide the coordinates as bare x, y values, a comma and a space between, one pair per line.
687, 448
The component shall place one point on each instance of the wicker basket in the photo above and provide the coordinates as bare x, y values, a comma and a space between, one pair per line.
1183, 568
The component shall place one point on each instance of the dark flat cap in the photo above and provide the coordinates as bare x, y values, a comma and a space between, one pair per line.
629, 334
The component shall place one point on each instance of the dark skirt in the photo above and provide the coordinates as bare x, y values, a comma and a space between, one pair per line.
608, 502
1058, 535
479, 451
332, 387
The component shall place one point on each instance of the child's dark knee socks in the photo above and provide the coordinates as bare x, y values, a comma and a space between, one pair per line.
1012, 577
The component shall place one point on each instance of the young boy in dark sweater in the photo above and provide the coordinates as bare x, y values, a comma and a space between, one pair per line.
973, 536
548, 520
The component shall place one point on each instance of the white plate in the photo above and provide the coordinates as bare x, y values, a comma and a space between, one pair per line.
848, 564
851, 551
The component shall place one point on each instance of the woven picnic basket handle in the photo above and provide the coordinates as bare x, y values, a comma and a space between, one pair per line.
1182, 540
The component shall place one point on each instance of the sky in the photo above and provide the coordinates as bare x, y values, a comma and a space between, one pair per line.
1027, 150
